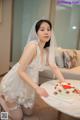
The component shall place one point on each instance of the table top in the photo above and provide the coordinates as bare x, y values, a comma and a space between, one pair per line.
68, 105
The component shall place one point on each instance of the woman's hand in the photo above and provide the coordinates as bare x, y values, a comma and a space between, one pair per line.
61, 81
41, 91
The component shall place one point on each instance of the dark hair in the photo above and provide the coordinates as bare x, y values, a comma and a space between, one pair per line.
38, 24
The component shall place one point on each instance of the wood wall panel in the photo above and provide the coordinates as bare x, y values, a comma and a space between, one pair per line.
5, 36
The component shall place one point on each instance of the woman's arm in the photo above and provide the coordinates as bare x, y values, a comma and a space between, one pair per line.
27, 57
57, 72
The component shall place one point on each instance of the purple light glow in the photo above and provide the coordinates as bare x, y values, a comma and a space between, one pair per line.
68, 2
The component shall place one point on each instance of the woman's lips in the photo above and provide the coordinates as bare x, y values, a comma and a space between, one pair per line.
46, 36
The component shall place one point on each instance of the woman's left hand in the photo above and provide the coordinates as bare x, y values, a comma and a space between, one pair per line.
62, 81
42, 92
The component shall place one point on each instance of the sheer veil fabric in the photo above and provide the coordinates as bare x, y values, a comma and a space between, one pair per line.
53, 45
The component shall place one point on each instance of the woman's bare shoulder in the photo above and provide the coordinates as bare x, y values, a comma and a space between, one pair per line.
31, 46
29, 53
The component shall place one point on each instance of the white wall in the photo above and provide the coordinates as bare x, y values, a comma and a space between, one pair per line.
17, 30
65, 19
33, 10
25, 13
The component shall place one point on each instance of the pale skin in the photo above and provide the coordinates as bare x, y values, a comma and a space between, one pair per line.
29, 54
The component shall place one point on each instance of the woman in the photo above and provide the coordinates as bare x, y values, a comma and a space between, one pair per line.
37, 53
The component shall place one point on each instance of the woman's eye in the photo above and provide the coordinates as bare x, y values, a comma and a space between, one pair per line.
42, 29
48, 29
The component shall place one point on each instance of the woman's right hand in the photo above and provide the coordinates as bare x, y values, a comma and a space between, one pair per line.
41, 91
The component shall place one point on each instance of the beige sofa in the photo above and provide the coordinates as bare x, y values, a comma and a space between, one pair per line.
68, 60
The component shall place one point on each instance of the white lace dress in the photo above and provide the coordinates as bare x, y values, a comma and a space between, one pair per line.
17, 89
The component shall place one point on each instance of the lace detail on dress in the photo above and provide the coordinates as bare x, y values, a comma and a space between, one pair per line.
24, 93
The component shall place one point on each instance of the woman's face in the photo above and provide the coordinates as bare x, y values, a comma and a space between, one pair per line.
44, 32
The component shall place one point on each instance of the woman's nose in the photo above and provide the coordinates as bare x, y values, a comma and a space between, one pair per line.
46, 32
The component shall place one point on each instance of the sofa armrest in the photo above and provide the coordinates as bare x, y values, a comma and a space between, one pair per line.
68, 74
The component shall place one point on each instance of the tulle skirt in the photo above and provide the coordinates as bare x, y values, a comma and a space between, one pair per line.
13, 87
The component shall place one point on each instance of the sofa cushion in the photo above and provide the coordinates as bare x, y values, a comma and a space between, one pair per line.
70, 58
70, 74
59, 57
78, 57
66, 59
76, 69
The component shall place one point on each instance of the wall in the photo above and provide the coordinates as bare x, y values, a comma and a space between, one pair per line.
62, 23
17, 30
66, 17
25, 13
5, 36
75, 21
33, 11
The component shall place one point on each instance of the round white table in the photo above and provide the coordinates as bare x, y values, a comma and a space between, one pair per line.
69, 106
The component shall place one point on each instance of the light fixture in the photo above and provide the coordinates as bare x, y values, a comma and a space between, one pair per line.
74, 27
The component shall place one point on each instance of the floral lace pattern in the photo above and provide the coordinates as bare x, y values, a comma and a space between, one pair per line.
23, 94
